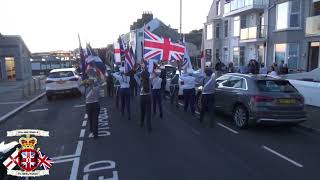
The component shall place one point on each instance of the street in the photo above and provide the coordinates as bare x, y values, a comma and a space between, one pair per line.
179, 147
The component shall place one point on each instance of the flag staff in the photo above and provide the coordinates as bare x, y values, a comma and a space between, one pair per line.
181, 19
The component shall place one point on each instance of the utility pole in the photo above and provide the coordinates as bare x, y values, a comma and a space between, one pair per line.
181, 20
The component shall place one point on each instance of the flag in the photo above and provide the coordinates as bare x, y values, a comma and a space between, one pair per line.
44, 161
116, 52
82, 58
161, 49
186, 62
95, 60
202, 59
12, 160
129, 61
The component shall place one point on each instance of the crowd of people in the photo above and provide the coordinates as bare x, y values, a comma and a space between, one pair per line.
253, 67
150, 87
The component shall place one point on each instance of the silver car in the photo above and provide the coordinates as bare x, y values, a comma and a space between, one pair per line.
252, 99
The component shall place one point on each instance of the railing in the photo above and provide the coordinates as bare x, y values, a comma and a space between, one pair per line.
313, 25
238, 4
256, 32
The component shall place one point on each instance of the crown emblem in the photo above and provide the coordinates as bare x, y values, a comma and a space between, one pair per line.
28, 142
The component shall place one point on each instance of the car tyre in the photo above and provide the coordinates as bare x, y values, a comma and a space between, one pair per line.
240, 117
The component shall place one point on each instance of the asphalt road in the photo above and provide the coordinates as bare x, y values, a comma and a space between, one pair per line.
178, 147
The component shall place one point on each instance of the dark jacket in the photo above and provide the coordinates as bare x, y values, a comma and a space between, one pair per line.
145, 82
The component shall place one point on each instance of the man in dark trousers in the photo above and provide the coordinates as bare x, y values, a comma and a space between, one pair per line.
156, 92
124, 91
145, 98
163, 76
207, 97
92, 100
189, 93
110, 85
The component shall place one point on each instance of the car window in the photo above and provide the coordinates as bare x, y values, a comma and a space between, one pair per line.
222, 79
61, 74
275, 86
235, 82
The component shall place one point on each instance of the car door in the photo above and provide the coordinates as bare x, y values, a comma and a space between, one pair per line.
219, 91
232, 92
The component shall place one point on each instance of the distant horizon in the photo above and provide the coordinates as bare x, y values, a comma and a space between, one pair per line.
53, 25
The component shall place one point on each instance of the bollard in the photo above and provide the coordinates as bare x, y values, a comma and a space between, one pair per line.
29, 88
39, 84
23, 90
34, 85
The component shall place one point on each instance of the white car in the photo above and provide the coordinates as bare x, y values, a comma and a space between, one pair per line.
60, 81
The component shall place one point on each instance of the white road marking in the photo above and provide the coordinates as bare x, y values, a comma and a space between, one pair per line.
234, 131
14, 102
85, 116
75, 168
79, 105
76, 154
38, 110
82, 132
180, 104
197, 112
282, 156
84, 123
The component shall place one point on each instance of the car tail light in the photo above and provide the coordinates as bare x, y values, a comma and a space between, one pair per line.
262, 99
49, 81
74, 79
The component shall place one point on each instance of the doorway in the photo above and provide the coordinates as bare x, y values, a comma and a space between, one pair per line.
314, 57
10, 68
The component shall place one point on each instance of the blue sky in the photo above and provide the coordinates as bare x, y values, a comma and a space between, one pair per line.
54, 24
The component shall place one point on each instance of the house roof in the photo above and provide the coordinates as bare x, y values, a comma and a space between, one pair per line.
13, 40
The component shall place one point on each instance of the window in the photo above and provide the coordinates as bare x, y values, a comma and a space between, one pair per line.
209, 31
222, 79
242, 56
218, 6
243, 22
208, 55
236, 26
217, 54
217, 30
235, 82
236, 56
275, 86
289, 53
288, 15
316, 7
225, 28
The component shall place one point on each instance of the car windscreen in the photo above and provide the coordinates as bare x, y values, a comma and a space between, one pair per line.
61, 74
275, 86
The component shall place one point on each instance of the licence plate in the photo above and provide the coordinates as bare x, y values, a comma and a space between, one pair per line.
287, 101
61, 82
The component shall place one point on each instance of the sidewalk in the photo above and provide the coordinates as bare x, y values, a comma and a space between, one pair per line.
313, 121
15, 93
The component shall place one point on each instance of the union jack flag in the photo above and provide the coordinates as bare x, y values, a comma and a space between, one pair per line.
161, 49
129, 60
44, 161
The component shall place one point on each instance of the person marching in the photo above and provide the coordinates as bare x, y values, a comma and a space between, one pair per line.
145, 98
92, 100
189, 91
156, 92
163, 76
207, 97
124, 81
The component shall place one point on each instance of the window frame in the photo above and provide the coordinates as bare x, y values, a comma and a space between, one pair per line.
287, 56
226, 29
238, 20
229, 77
289, 13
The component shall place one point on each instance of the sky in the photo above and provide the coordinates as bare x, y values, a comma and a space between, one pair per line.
47, 25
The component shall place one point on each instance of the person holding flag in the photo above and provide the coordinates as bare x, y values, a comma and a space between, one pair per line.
156, 92
124, 81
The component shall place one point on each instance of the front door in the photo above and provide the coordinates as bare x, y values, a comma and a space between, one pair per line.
314, 56
10, 68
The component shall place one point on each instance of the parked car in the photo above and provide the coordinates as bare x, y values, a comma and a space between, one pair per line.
252, 99
61, 81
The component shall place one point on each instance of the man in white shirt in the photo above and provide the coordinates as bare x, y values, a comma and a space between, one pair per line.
124, 90
156, 92
188, 84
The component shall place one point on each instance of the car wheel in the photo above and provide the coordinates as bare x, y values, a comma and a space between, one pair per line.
49, 98
240, 117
